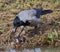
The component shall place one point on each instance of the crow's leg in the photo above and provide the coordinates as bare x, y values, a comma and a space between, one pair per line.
20, 32
20, 38
35, 27
34, 31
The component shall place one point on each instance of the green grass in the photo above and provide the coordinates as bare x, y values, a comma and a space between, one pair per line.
53, 35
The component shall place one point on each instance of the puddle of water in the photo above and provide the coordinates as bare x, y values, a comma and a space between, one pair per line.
35, 50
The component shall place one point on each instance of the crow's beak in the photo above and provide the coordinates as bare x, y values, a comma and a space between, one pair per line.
14, 29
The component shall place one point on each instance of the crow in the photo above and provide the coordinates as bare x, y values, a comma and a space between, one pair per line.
29, 17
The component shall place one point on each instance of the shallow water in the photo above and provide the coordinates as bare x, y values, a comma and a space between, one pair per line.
35, 50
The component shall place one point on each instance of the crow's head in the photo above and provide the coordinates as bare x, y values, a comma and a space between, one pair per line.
16, 23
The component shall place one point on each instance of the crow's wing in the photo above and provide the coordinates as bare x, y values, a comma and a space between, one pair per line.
34, 20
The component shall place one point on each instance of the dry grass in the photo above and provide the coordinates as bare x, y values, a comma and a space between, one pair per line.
9, 9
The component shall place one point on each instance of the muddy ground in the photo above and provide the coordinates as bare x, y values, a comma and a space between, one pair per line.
48, 31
